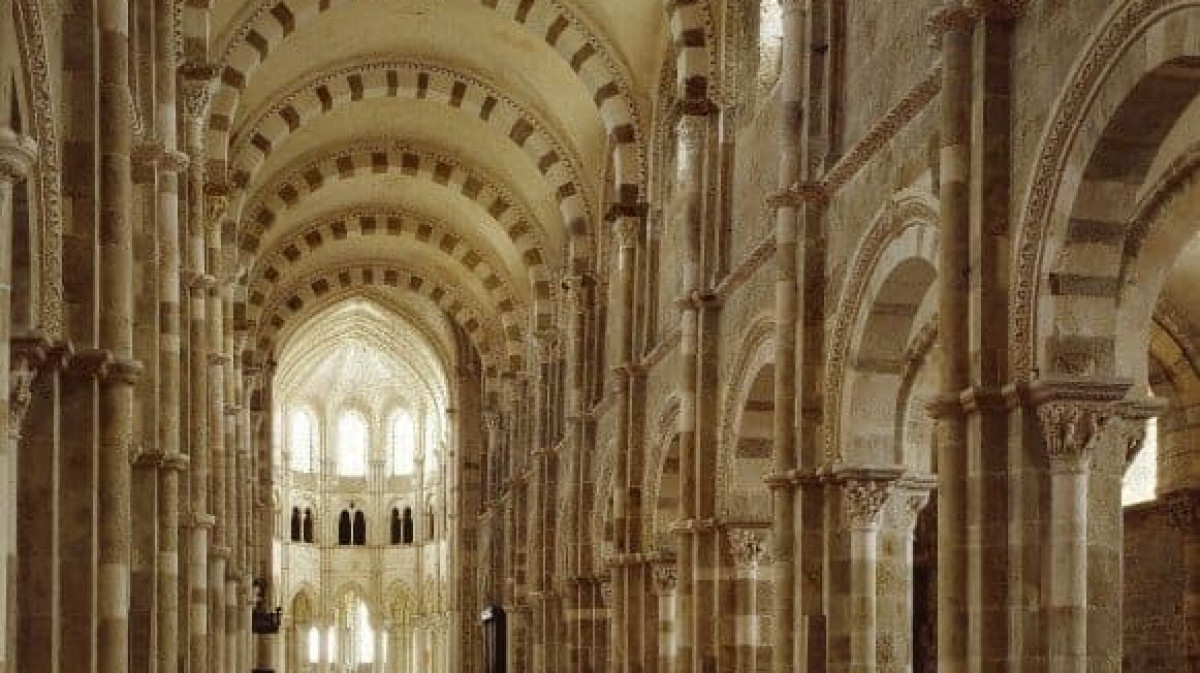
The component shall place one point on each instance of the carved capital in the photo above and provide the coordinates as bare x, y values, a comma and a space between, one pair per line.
545, 345
691, 131
747, 547
864, 494
199, 81
1073, 414
666, 578
18, 153
1071, 429
173, 161
908, 502
29, 355
215, 208
627, 231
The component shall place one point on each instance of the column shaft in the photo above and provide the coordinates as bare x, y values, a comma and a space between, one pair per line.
953, 335
115, 242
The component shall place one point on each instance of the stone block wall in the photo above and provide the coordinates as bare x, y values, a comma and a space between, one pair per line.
1155, 586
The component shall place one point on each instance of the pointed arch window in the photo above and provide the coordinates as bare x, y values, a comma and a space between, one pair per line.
403, 443
352, 445
296, 525
302, 436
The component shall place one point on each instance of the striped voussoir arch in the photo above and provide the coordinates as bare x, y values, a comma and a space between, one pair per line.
1109, 219
514, 217
305, 295
587, 55
691, 31
251, 147
397, 228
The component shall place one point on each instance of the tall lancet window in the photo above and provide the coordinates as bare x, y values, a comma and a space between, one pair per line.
403, 443
303, 440
352, 445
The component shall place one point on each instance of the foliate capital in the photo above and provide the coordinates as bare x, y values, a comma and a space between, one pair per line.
748, 547
18, 153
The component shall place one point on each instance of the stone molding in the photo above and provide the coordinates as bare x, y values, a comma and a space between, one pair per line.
31, 43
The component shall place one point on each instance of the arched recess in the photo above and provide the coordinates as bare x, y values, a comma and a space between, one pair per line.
407, 80
663, 482
747, 419
1174, 377
887, 288
1082, 235
1108, 221
46, 208
262, 28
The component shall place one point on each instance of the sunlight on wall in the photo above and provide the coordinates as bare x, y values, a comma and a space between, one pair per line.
352, 445
1141, 478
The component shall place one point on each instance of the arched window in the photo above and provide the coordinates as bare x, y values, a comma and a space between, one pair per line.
303, 440
403, 443
397, 526
308, 525
360, 528
352, 445
296, 534
344, 526
406, 525
430, 523
314, 645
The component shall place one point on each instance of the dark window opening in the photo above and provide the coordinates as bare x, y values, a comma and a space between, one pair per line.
360, 528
